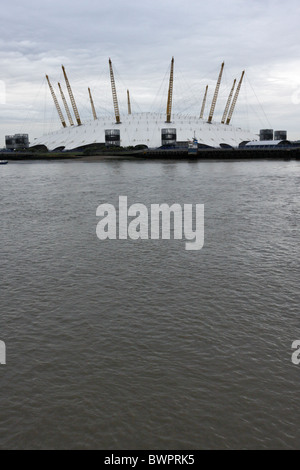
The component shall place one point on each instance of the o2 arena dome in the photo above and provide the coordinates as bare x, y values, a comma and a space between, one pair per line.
149, 129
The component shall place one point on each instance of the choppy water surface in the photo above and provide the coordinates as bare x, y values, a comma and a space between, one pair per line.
123, 344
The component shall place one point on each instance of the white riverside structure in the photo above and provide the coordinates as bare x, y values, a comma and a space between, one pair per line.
152, 130
145, 129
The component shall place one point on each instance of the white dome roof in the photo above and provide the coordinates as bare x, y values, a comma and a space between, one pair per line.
145, 128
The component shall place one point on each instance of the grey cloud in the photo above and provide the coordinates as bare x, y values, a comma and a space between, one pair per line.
141, 37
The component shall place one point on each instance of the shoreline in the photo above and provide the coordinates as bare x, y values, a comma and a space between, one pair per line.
160, 154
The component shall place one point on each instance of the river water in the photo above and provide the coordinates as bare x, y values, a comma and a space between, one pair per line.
141, 344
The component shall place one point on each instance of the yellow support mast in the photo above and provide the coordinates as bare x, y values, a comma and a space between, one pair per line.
128, 102
170, 93
235, 99
72, 97
213, 104
114, 93
92, 105
228, 103
61, 116
66, 105
203, 103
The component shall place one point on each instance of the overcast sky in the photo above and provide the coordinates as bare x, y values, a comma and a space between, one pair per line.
259, 36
